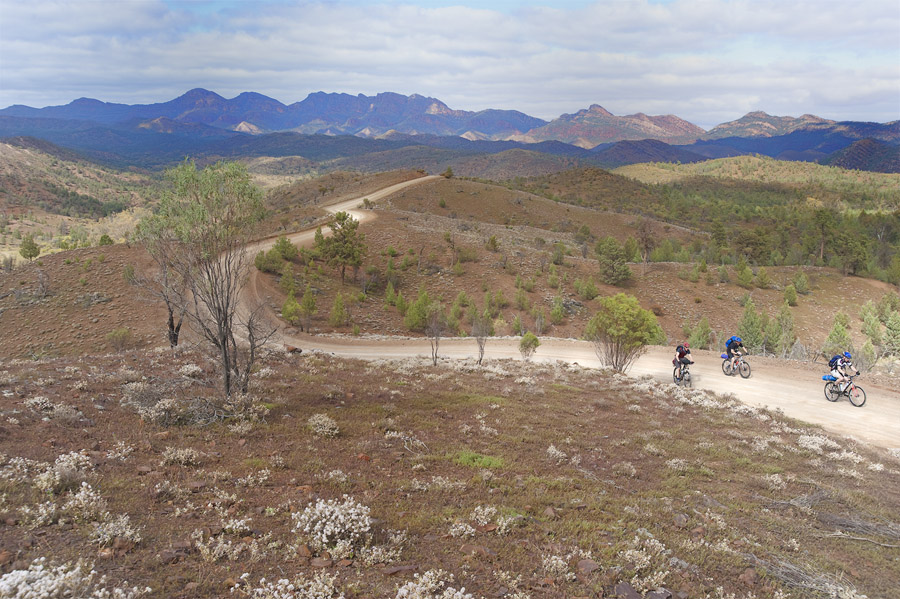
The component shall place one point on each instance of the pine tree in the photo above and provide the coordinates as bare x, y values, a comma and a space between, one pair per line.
339, 316
750, 329
790, 295
763, 281
290, 310
838, 339
390, 296
872, 328
29, 249
801, 283
287, 282
892, 335
701, 336
785, 328
308, 306
745, 277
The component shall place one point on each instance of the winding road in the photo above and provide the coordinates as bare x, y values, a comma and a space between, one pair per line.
796, 389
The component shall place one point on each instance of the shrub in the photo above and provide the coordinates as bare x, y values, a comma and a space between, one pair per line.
105, 240
723, 274
745, 277
339, 315
528, 345
285, 249
433, 584
269, 262
337, 527
323, 425
586, 289
120, 339
57, 582
417, 312
621, 330
801, 283
612, 260
790, 295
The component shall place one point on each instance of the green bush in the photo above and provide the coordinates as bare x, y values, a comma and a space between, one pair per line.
120, 339
621, 330
285, 249
339, 315
790, 295
269, 262
528, 345
801, 283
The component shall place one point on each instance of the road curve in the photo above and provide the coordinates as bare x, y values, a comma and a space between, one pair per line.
796, 392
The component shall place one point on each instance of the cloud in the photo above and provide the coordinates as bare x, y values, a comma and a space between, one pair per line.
705, 60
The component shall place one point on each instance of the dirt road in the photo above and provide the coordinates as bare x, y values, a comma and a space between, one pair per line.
795, 389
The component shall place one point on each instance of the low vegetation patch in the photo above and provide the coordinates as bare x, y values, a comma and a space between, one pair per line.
458, 480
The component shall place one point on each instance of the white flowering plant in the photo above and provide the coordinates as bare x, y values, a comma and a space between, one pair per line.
337, 526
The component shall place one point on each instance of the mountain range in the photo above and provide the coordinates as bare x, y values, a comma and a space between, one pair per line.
328, 126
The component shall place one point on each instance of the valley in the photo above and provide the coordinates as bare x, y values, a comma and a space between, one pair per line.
549, 477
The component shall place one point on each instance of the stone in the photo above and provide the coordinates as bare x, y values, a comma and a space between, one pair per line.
304, 551
320, 562
587, 566
749, 577
394, 570
681, 520
659, 594
481, 550
623, 590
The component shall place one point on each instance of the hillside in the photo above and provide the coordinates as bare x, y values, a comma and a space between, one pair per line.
859, 189
867, 155
524, 479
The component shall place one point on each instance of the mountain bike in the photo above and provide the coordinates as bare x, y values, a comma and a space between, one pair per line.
737, 365
854, 392
685, 378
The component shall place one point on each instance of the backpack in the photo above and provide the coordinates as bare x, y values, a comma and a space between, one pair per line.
680, 349
833, 362
731, 340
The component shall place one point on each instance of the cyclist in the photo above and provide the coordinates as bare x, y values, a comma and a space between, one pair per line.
734, 347
839, 365
681, 357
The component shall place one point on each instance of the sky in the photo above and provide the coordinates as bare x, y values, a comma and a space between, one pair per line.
706, 61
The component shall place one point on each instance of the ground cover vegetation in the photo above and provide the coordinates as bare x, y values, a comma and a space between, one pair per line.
768, 212
130, 473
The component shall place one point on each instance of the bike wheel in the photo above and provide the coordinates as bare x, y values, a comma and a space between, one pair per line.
857, 396
745, 370
688, 383
726, 367
832, 392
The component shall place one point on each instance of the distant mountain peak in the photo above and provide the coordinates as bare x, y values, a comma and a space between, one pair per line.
761, 124
599, 110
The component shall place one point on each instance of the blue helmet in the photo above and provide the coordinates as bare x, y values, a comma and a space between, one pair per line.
847, 355
739, 340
